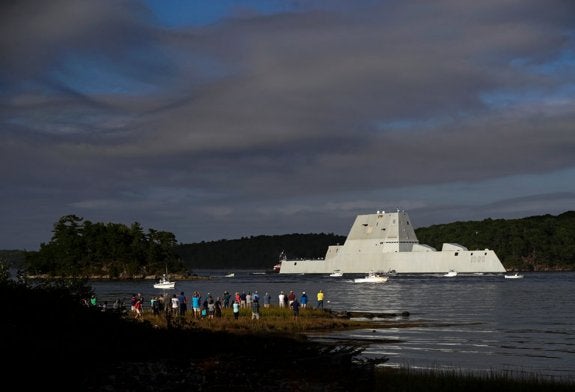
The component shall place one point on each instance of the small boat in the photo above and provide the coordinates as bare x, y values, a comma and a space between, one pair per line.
514, 276
165, 283
451, 274
230, 275
336, 273
372, 277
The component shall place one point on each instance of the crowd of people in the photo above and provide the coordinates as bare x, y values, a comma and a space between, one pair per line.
209, 306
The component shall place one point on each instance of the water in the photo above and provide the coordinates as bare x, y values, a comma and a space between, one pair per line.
523, 327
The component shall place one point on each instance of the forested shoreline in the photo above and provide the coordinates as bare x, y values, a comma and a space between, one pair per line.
81, 248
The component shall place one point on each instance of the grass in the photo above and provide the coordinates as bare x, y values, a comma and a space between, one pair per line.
272, 320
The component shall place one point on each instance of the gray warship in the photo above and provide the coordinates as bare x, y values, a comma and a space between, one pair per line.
386, 242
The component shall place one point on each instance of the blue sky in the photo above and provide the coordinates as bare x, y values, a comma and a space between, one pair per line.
225, 119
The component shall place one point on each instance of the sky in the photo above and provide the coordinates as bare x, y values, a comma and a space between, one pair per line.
228, 119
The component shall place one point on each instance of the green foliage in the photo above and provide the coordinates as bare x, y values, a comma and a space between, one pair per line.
543, 242
4, 271
259, 252
81, 248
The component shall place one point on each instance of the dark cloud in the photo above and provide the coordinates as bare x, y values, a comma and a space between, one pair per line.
267, 124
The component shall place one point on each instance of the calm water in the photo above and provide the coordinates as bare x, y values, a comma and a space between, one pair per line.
471, 323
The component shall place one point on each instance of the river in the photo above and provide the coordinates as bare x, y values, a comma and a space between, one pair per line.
522, 327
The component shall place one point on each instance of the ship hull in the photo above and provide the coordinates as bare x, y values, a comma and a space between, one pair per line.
403, 263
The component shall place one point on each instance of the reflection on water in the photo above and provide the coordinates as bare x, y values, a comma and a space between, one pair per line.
475, 323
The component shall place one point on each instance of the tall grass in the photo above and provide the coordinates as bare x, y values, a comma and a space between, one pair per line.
272, 320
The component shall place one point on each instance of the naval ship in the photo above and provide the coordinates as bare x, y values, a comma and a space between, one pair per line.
386, 242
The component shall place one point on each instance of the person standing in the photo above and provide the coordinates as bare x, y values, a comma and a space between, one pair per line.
133, 303
267, 300
249, 299
227, 297
256, 309
281, 299
295, 307
291, 297
155, 304
138, 307
175, 305
320, 300
218, 313
196, 304
303, 299
183, 301
236, 309
211, 307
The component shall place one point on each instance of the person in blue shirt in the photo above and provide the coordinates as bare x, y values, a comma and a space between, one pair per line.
303, 299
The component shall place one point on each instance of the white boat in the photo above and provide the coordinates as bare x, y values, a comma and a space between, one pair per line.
451, 274
514, 276
372, 277
386, 241
336, 274
231, 275
165, 283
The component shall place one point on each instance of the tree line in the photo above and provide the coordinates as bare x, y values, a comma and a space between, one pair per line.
82, 248
536, 243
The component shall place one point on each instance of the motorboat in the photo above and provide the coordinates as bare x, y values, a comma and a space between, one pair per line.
372, 277
165, 283
230, 275
451, 274
336, 274
514, 276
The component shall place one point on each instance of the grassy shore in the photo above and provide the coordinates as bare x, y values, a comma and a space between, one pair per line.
275, 320
365, 376
52, 341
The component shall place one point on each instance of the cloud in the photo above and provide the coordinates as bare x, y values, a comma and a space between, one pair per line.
108, 112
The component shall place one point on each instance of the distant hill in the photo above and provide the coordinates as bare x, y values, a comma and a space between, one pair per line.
536, 243
258, 252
